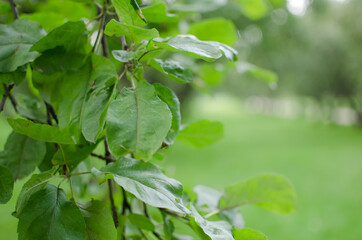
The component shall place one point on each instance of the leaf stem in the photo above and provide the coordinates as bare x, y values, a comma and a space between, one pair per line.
106, 158
6, 95
14, 9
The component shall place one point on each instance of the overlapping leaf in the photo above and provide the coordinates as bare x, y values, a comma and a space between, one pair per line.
173, 70
127, 12
6, 184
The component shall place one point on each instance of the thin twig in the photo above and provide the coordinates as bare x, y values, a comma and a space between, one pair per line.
6, 95
148, 216
106, 158
51, 112
14, 9
113, 207
125, 204
101, 27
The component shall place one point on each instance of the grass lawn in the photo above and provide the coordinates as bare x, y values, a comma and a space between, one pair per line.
324, 162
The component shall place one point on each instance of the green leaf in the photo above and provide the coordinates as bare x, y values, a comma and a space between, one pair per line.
201, 133
207, 197
158, 14
212, 75
72, 36
40, 131
173, 70
248, 234
234, 217
269, 191
170, 98
48, 20
6, 184
255, 71
147, 183
127, 13
254, 9
141, 222
98, 220
138, 122
168, 227
197, 6
190, 45
15, 77
50, 215
208, 230
123, 56
46, 164
136, 34
223, 30
22, 154
35, 183
16, 40
72, 155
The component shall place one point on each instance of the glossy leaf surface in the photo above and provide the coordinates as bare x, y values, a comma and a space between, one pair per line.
173, 70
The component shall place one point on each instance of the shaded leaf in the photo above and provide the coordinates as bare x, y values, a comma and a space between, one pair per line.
98, 220
39, 131
138, 122
170, 98
269, 191
147, 183
173, 70
201, 133
72, 155
248, 234
223, 30
158, 14
34, 184
46, 164
22, 154
16, 40
141, 222
50, 215
255, 71
6, 184
136, 34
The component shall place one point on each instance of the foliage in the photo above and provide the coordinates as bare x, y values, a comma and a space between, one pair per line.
83, 98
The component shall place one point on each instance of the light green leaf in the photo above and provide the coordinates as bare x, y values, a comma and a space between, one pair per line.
6, 184
255, 71
98, 220
190, 45
50, 215
278, 3
173, 70
208, 230
201, 133
197, 6
158, 14
170, 98
127, 12
41, 131
48, 20
269, 191
138, 122
35, 183
72, 36
123, 56
254, 9
141, 222
16, 40
223, 30
22, 154
211, 74
248, 234
147, 183
136, 34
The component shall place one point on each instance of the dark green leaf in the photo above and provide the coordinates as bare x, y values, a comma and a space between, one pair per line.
72, 155
169, 97
147, 183
71, 35
40, 131
35, 183
15, 77
168, 227
201, 133
127, 12
223, 30
173, 70
46, 164
22, 154
157, 14
98, 220
141, 222
248, 234
269, 191
138, 122
16, 40
136, 34
50, 215
6, 184
209, 230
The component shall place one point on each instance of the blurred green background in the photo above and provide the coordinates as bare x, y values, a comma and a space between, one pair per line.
305, 126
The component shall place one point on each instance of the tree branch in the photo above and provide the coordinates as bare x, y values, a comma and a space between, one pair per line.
125, 204
6, 95
14, 9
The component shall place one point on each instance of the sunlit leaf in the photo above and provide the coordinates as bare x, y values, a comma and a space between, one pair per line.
127, 12
248, 234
